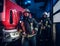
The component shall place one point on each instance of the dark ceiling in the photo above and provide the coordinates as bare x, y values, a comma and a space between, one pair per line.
21, 2
37, 7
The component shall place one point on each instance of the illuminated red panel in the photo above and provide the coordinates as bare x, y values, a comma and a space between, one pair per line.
8, 6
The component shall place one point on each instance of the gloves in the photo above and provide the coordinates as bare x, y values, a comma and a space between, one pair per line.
24, 34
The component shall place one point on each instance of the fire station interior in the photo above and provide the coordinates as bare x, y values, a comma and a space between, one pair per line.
37, 8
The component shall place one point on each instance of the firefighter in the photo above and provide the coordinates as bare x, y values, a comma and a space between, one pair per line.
29, 27
44, 29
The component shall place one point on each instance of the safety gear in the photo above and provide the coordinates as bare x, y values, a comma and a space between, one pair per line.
30, 35
45, 13
26, 10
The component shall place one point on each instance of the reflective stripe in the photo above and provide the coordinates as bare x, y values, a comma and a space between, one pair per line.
31, 35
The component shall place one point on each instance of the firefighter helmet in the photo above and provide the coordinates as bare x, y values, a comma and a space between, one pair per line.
45, 13
26, 11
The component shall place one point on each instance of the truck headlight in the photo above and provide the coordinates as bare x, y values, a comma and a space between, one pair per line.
14, 34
